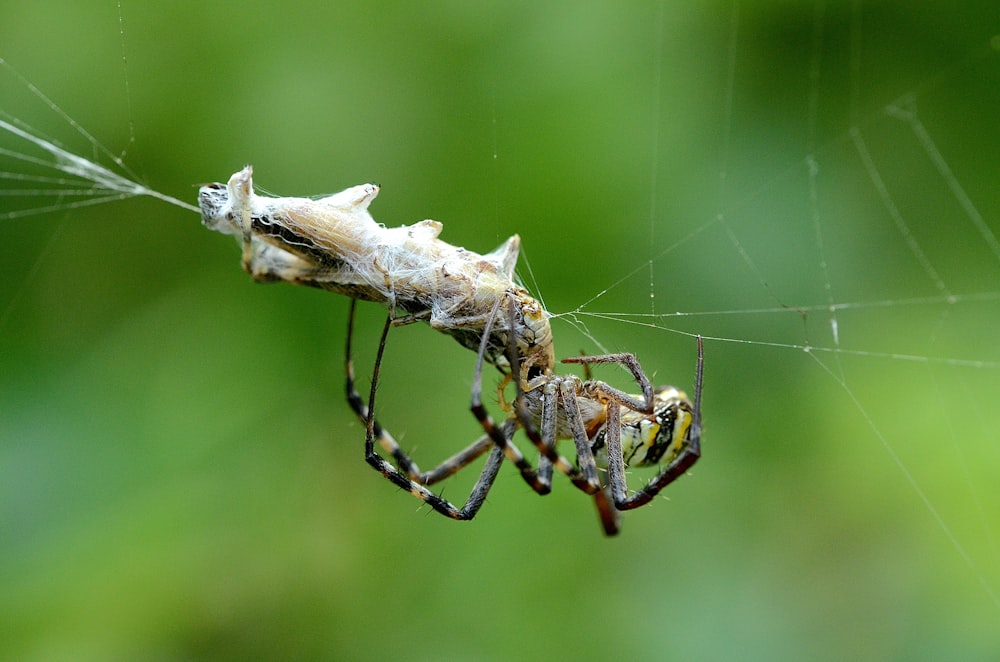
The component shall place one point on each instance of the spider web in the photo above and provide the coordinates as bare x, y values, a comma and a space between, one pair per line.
912, 226
808, 190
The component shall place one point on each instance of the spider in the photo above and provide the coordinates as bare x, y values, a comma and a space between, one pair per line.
333, 243
610, 428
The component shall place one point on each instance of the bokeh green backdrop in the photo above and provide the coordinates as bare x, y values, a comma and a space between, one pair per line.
181, 479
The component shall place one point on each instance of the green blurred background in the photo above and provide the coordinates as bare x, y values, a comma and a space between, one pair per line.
181, 479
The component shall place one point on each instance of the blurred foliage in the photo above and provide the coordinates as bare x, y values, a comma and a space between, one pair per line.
181, 479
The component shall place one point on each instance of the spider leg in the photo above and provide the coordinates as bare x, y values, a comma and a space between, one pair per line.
686, 457
359, 407
610, 516
485, 481
448, 467
645, 404
546, 433
616, 459
568, 392
584, 478
541, 484
549, 422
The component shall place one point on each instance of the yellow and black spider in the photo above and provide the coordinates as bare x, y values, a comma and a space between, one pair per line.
611, 430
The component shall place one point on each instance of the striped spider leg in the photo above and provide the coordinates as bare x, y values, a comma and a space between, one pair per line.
609, 427
529, 376
668, 431
614, 427
407, 475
